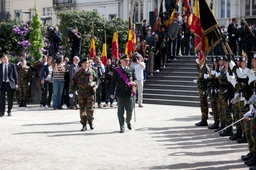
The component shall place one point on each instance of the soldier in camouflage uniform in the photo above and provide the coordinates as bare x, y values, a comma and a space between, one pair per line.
202, 88
25, 77
85, 81
250, 125
214, 85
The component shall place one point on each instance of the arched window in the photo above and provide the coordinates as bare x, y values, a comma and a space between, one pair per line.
138, 11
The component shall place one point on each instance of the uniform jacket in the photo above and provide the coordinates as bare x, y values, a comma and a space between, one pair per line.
24, 74
122, 90
12, 75
232, 30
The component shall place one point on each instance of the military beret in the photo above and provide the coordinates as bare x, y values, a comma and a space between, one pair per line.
83, 60
125, 57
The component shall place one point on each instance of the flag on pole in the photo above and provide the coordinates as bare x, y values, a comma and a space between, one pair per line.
92, 49
129, 45
197, 31
160, 14
187, 10
209, 26
115, 51
104, 49
168, 22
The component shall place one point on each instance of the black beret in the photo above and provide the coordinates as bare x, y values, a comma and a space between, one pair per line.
83, 60
125, 57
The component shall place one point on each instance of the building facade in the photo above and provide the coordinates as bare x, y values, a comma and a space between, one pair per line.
224, 10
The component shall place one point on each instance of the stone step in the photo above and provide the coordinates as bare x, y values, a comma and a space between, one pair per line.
171, 102
170, 92
171, 82
171, 97
171, 76
170, 86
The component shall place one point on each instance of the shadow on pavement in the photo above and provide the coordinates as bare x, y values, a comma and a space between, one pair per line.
47, 124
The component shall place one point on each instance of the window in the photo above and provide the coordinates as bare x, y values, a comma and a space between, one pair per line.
138, 6
250, 7
32, 13
112, 16
17, 14
47, 11
225, 8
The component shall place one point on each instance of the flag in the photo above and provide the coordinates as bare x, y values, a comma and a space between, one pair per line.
92, 49
168, 22
115, 51
129, 45
209, 26
187, 10
160, 14
197, 31
104, 49
249, 40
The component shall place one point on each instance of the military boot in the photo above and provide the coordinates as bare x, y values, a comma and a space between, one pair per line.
214, 126
242, 139
247, 157
203, 122
222, 126
227, 132
252, 161
237, 135
21, 103
25, 103
253, 168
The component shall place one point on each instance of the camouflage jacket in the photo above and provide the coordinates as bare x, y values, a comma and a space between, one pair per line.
84, 82
24, 74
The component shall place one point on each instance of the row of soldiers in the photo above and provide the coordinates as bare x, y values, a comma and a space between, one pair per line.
229, 87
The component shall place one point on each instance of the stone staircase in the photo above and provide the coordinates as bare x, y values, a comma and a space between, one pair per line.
174, 84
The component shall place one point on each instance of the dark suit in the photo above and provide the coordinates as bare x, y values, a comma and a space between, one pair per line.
232, 34
8, 87
123, 94
241, 37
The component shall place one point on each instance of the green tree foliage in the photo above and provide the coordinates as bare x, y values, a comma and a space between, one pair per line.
83, 20
35, 38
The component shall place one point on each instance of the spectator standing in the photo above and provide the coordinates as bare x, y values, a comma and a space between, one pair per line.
46, 81
139, 66
232, 35
73, 68
58, 82
151, 43
107, 81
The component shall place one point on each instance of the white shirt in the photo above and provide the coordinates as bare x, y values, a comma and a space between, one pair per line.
6, 71
139, 70
49, 76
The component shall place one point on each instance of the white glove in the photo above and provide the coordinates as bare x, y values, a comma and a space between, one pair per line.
232, 64
240, 73
71, 95
250, 114
195, 81
217, 74
205, 76
252, 78
213, 72
236, 98
252, 99
76, 93
233, 35
197, 61
28, 83
182, 36
92, 84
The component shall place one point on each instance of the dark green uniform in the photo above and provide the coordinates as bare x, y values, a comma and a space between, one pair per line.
86, 92
25, 78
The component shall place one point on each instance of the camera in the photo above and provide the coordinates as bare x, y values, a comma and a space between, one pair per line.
71, 32
51, 30
57, 58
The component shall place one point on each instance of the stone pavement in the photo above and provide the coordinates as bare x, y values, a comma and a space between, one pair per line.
163, 137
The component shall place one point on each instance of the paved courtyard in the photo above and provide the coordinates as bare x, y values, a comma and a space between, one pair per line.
163, 137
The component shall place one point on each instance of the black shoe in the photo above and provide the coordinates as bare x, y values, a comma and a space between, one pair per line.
214, 126
91, 126
203, 122
9, 113
252, 161
84, 128
129, 126
253, 168
247, 157
241, 140
237, 135
24, 104
21, 103
222, 126
121, 131
227, 132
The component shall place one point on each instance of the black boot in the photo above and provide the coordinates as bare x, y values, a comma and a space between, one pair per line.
227, 132
222, 126
25, 103
203, 122
247, 157
253, 168
21, 103
242, 139
214, 126
91, 125
237, 135
84, 128
252, 161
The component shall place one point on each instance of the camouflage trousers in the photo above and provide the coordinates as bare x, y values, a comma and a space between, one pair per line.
225, 117
250, 133
203, 104
215, 111
86, 105
23, 91
237, 114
